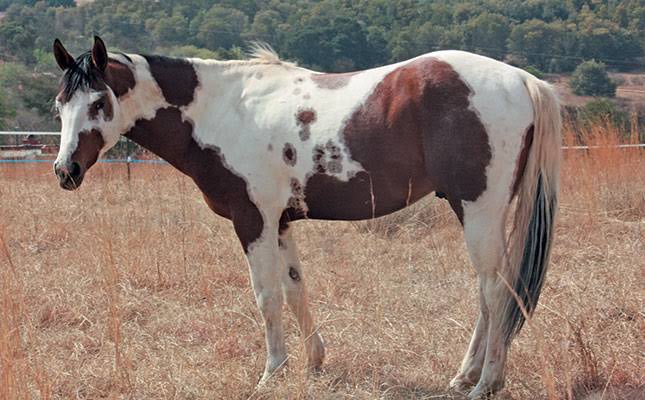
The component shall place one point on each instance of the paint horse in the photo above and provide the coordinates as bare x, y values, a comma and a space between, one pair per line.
269, 143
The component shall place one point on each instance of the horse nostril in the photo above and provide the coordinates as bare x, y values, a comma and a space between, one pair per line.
75, 170
60, 172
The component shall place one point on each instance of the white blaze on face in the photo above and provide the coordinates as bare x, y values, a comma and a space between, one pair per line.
75, 118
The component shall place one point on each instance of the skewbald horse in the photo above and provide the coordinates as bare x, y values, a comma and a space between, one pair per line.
269, 143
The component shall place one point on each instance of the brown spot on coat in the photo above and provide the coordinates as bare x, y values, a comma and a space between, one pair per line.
332, 81
289, 154
416, 126
304, 118
335, 155
297, 199
224, 191
327, 158
176, 77
319, 159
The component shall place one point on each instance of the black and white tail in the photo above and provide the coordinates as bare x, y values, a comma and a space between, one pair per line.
532, 234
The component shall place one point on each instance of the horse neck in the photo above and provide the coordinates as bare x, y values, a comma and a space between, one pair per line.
154, 111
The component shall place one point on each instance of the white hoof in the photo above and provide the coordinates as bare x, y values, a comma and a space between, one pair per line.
272, 368
316, 352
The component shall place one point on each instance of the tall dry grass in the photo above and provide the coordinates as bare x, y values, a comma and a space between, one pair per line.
133, 289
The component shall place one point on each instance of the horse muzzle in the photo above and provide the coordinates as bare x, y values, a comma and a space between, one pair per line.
70, 175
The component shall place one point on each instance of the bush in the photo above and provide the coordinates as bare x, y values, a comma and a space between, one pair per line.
591, 79
534, 71
604, 111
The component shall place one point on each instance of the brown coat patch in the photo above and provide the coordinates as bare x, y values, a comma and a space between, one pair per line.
176, 77
88, 148
414, 134
119, 77
332, 81
225, 192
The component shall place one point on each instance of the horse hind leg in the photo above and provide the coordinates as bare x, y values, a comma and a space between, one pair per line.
472, 363
295, 293
486, 357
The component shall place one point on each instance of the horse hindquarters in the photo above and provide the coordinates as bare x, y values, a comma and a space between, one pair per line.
512, 272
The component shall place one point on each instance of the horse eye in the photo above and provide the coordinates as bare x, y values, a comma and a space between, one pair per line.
99, 105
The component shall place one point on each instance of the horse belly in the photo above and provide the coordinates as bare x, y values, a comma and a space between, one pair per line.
364, 196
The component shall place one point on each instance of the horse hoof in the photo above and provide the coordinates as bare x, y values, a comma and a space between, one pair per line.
484, 391
316, 353
460, 385
271, 370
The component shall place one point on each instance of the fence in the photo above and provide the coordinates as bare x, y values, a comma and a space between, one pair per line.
130, 160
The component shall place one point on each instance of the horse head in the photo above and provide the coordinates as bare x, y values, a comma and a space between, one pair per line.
89, 108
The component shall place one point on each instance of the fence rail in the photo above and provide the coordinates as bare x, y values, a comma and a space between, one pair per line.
19, 133
102, 160
156, 161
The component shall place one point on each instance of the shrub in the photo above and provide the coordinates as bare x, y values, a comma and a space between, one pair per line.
591, 79
534, 71
603, 111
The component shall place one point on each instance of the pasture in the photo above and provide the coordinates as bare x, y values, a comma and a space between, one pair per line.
134, 289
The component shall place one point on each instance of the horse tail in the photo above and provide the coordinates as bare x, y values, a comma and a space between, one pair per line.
532, 233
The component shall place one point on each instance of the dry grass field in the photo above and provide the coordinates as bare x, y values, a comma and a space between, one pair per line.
135, 290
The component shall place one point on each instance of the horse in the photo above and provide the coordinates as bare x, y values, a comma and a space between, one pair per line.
269, 143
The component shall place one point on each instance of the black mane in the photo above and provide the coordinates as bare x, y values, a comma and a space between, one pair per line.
82, 75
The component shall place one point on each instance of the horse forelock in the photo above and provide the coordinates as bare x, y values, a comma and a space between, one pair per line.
84, 75
81, 76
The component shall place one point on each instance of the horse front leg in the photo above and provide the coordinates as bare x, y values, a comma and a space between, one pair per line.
293, 285
259, 238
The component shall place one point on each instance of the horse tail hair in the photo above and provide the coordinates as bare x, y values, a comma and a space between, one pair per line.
529, 244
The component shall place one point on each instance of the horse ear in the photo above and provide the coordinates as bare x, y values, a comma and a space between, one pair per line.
63, 58
99, 54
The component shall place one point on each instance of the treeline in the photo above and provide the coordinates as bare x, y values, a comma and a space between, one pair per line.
338, 35
551, 36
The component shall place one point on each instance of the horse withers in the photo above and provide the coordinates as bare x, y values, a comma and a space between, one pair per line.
269, 143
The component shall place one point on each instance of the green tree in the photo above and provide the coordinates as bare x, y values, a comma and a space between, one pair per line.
220, 27
603, 39
339, 45
591, 79
535, 41
487, 34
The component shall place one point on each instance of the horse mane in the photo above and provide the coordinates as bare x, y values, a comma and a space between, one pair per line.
263, 53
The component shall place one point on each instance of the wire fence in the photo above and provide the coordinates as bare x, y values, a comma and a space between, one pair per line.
132, 160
